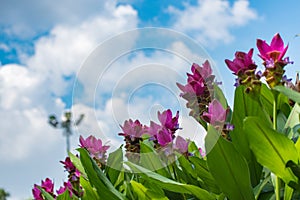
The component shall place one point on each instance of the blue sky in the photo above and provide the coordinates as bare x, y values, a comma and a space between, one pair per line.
46, 45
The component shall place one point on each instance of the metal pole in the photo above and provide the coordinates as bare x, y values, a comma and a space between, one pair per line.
68, 133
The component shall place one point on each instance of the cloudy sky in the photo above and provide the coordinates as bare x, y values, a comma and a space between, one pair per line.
96, 57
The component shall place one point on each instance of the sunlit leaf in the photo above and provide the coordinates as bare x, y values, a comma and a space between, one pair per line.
228, 167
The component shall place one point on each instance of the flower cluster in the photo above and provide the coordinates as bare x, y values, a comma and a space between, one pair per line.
162, 134
72, 185
199, 89
244, 68
273, 59
199, 92
96, 150
47, 185
95, 147
132, 132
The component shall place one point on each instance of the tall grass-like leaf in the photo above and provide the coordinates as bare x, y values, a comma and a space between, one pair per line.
98, 179
145, 193
271, 149
244, 106
228, 167
89, 191
150, 159
291, 94
169, 184
114, 165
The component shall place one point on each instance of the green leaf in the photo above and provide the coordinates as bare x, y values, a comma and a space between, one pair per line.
266, 98
219, 95
272, 149
145, 193
169, 184
281, 122
114, 165
97, 178
193, 149
292, 121
77, 163
288, 192
151, 160
203, 173
186, 165
89, 191
283, 104
291, 94
228, 167
244, 106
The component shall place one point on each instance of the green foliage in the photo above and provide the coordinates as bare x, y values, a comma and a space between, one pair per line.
233, 177
267, 143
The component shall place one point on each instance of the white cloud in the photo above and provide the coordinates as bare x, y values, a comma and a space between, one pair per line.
210, 21
29, 93
24, 103
26, 19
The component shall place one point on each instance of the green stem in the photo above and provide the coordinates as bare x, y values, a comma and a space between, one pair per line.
275, 113
277, 179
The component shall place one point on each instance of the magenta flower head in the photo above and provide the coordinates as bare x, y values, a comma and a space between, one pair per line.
244, 67
199, 88
37, 194
47, 185
132, 132
164, 137
181, 145
273, 52
168, 121
74, 174
216, 114
163, 134
94, 147
68, 165
274, 62
133, 129
241, 63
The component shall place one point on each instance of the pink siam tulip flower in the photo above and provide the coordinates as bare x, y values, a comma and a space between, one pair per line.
94, 147
47, 185
37, 194
74, 174
181, 145
68, 165
273, 52
133, 129
153, 129
163, 134
241, 63
164, 137
274, 62
167, 120
216, 114
199, 89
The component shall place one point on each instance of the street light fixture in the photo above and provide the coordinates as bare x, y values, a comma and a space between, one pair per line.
66, 124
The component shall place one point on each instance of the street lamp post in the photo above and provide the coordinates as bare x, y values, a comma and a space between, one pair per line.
66, 124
